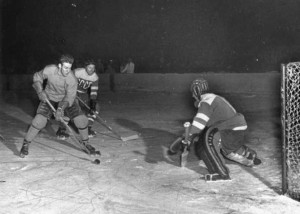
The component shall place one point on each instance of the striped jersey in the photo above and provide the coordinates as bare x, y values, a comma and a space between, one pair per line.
214, 110
58, 87
86, 82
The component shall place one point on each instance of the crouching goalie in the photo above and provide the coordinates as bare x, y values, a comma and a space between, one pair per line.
218, 131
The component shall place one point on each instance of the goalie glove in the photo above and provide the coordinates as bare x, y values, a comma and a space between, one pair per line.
62, 105
187, 142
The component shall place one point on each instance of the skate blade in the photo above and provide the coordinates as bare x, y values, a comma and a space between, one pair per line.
62, 138
22, 155
218, 181
132, 137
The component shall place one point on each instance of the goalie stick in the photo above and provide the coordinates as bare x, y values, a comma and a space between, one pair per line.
185, 145
82, 146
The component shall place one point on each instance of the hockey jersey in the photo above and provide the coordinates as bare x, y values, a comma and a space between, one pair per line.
214, 110
58, 87
86, 82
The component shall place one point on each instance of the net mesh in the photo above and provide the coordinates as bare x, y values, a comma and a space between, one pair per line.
291, 106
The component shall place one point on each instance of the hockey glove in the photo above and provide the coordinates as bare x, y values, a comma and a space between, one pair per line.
43, 96
60, 110
93, 104
187, 143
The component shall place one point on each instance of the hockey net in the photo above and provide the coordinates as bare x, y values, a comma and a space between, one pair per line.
290, 117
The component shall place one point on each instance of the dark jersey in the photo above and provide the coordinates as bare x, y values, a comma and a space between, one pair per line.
213, 110
86, 81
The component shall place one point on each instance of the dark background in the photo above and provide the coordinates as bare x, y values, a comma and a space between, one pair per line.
160, 35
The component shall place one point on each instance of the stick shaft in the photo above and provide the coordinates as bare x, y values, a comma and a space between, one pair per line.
68, 127
185, 152
100, 120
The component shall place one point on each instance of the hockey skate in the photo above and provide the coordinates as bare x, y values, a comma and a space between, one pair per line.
88, 148
24, 149
244, 156
62, 134
92, 133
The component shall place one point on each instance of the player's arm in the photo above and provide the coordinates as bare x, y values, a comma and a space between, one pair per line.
200, 121
38, 79
94, 95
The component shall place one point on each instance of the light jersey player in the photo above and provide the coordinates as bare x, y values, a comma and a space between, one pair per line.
87, 91
218, 131
60, 91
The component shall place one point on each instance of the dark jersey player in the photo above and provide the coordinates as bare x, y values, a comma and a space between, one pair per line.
219, 131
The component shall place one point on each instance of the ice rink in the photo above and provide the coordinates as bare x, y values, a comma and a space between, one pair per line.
137, 176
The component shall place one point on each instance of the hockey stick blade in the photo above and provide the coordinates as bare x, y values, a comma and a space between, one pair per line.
104, 123
183, 157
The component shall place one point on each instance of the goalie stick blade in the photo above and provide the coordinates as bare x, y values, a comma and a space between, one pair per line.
183, 157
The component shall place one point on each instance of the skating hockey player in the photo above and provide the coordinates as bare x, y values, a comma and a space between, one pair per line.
218, 131
60, 90
87, 91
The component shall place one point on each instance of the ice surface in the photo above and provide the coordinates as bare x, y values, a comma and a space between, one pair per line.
137, 176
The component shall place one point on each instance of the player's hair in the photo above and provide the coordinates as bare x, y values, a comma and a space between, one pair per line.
89, 62
199, 86
66, 58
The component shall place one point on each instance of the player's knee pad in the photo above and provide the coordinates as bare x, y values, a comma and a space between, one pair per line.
244, 155
81, 122
208, 149
39, 121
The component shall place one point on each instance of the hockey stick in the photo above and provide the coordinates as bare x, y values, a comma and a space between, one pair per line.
186, 145
104, 123
95, 161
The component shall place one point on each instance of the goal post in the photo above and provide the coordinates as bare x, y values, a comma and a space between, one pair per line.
290, 121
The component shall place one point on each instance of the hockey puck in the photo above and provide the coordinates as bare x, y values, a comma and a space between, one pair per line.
96, 161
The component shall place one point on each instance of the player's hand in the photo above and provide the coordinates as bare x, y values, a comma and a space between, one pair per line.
59, 114
186, 142
43, 96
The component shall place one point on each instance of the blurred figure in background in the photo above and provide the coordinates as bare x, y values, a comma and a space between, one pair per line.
128, 68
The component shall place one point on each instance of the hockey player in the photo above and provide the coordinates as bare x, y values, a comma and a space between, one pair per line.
87, 91
60, 90
218, 131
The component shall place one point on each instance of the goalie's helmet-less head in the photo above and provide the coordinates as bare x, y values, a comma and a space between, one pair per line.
198, 87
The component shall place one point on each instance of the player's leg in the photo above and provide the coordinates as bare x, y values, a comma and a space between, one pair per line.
39, 122
81, 122
234, 149
90, 115
208, 149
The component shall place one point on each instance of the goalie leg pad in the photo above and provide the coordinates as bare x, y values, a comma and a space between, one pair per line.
209, 151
